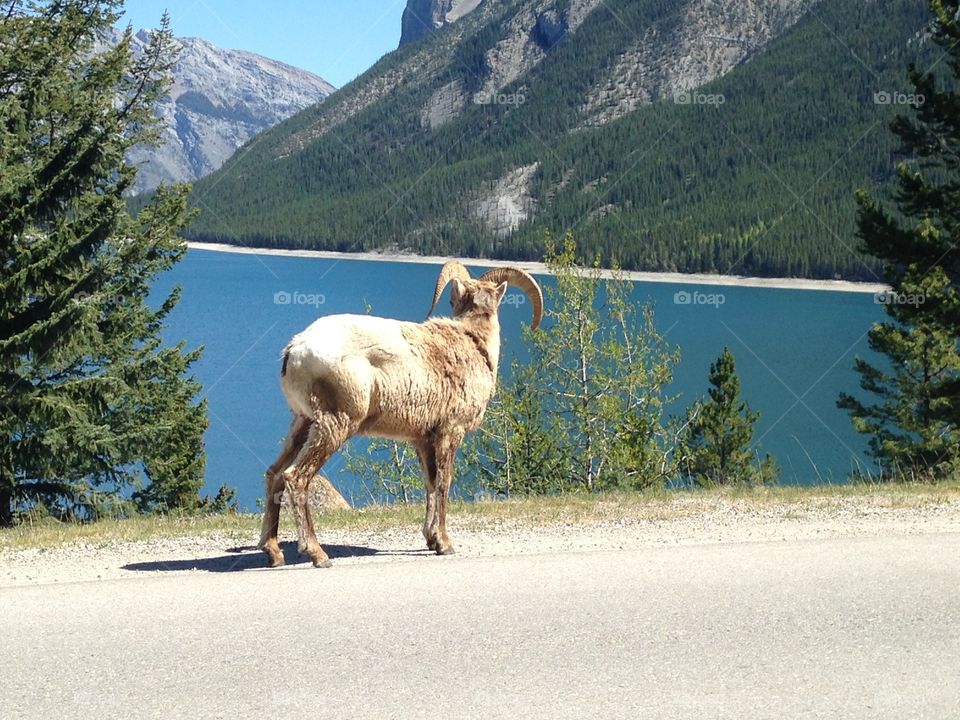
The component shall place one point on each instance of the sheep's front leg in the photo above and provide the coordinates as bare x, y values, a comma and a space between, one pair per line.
429, 466
445, 450
443, 545
429, 529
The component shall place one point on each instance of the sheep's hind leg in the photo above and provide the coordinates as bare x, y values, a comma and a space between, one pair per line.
273, 489
327, 434
298, 487
307, 543
273, 485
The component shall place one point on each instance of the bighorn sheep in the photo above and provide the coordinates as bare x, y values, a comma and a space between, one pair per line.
428, 383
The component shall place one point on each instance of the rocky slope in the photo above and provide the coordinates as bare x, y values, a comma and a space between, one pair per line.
711, 39
219, 100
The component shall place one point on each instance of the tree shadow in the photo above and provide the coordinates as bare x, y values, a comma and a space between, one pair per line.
248, 557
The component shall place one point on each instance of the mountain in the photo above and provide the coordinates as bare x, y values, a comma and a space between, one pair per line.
219, 100
692, 135
422, 17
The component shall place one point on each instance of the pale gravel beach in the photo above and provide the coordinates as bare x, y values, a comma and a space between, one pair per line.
541, 269
684, 521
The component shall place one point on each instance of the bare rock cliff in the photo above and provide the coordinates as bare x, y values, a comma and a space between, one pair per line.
422, 17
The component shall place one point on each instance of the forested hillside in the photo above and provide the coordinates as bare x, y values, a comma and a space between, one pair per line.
437, 150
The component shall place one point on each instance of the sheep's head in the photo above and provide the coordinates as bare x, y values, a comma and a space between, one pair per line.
482, 296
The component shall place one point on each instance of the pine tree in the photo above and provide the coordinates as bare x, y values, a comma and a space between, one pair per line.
716, 448
92, 401
915, 427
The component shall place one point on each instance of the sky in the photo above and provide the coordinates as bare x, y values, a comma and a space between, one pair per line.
336, 39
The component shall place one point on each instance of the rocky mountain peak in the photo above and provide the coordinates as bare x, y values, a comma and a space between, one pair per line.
422, 17
219, 100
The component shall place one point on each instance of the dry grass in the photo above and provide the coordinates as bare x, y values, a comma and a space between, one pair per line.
794, 503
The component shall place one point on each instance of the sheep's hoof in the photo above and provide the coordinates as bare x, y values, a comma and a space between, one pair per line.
318, 557
431, 544
274, 556
444, 550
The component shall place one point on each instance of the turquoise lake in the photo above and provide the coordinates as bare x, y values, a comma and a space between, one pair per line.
794, 352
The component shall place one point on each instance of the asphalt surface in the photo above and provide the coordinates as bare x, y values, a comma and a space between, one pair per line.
851, 628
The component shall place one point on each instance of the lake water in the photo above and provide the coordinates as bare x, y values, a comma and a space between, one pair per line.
794, 352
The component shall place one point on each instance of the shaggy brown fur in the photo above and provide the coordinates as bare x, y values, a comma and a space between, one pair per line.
426, 383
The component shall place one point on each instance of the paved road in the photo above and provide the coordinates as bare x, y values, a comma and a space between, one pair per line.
820, 629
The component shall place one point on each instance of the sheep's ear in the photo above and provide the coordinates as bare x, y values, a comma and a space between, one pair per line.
501, 291
456, 291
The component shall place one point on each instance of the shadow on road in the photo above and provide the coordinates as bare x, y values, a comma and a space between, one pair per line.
249, 558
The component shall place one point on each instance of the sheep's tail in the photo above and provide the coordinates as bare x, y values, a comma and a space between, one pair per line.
286, 357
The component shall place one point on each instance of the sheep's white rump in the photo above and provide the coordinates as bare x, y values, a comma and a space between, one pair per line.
343, 347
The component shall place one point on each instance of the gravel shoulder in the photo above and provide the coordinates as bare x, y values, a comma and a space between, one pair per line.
686, 520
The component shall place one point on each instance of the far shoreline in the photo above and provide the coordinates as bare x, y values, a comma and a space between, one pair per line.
541, 269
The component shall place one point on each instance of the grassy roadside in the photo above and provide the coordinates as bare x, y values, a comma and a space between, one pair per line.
662, 505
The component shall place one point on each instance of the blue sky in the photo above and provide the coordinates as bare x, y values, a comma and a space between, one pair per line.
336, 39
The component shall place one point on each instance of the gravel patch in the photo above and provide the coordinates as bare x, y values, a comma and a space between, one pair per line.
681, 522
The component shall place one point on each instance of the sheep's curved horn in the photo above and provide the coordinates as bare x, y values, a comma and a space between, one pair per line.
451, 270
525, 282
